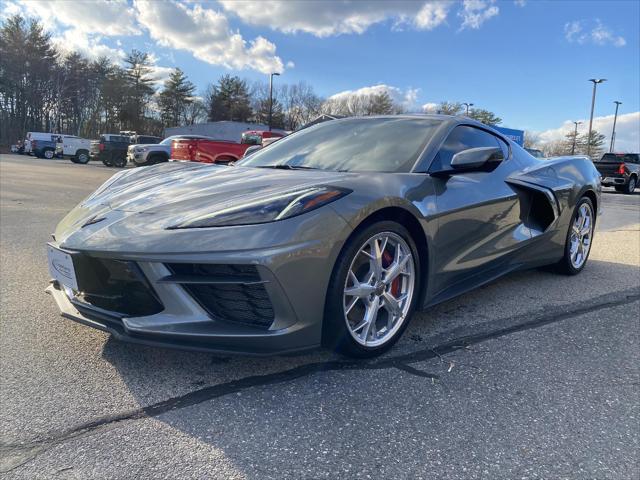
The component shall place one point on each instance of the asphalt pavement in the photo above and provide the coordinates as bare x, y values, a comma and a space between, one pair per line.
533, 376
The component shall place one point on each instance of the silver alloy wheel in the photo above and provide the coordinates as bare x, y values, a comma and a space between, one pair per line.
379, 289
632, 184
581, 235
48, 154
83, 158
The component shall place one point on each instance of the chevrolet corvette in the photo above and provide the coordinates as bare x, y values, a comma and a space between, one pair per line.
333, 236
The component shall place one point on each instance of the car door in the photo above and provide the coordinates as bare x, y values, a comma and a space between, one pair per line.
478, 213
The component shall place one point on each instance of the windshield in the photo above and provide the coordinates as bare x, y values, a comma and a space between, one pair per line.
352, 145
168, 140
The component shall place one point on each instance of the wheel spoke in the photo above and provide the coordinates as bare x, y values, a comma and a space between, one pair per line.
352, 304
370, 317
396, 268
360, 290
392, 304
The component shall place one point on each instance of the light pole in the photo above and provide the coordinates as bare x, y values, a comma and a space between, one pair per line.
271, 96
595, 81
468, 105
575, 137
613, 134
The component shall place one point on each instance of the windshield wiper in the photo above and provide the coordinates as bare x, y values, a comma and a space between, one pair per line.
286, 166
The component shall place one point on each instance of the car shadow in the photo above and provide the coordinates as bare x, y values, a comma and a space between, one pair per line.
264, 407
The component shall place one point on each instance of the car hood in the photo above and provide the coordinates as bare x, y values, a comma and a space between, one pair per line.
170, 193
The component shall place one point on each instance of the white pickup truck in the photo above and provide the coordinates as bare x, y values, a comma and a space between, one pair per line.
75, 148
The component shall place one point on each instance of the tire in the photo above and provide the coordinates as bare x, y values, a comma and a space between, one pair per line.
630, 186
619, 188
567, 265
107, 162
152, 160
119, 161
82, 157
353, 272
48, 153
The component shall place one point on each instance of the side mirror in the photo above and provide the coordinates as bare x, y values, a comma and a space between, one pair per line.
475, 158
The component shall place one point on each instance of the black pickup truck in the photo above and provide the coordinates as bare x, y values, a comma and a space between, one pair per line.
111, 149
619, 170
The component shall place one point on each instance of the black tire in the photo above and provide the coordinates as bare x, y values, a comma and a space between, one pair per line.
48, 153
152, 160
335, 333
107, 162
565, 265
619, 188
631, 185
81, 157
119, 161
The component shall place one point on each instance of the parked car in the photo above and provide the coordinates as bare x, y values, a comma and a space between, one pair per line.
196, 148
255, 137
41, 149
72, 147
150, 154
620, 170
111, 149
334, 236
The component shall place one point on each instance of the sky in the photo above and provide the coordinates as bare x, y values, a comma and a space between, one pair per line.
529, 61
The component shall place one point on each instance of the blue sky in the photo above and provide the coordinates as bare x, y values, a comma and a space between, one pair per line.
528, 61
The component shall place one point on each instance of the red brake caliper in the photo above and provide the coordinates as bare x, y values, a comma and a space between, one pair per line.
387, 260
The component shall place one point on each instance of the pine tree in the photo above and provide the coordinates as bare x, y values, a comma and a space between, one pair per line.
175, 98
139, 89
277, 114
229, 100
485, 116
380, 104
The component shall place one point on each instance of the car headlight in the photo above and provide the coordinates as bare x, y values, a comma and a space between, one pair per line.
265, 210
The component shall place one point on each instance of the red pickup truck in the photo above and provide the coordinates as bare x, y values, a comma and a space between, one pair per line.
209, 150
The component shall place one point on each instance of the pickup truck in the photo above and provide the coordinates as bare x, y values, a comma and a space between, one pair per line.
75, 148
196, 148
150, 153
209, 150
111, 149
619, 170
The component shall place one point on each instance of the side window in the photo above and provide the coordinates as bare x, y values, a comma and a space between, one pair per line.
464, 138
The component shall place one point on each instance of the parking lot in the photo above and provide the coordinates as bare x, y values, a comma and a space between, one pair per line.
533, 376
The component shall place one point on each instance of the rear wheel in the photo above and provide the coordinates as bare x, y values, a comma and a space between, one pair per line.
119, 161
631, 185
579, 238
82, 156
48, 153
373, 291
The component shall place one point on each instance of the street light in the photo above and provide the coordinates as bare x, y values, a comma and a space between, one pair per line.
467, 105
271, 96
575, 136
613, 134
595, 81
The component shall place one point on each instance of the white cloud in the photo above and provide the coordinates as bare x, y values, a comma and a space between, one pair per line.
207, 35
475, 12
407, 98
583, 31
430, 107
327, 18
627, 131
74, 40
160, 75
108, 18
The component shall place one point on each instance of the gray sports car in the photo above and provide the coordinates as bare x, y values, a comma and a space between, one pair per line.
333, 236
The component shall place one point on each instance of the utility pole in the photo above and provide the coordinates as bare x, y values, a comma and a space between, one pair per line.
595, 81
575, 137
271, 96
468, 105
613, 133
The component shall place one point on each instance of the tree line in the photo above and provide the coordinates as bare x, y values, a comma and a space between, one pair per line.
572, 144
45, 89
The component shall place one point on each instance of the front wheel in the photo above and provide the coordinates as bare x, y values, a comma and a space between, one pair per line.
48, 154
373, 291
579, 238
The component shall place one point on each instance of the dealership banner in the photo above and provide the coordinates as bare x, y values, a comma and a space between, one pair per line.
515, 135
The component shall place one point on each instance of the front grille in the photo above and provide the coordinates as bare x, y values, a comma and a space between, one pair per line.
229, 293
114, 285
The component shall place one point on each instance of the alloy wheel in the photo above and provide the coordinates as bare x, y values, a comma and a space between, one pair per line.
379, 289
581, 236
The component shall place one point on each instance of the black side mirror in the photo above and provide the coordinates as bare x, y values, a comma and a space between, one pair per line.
475, 158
